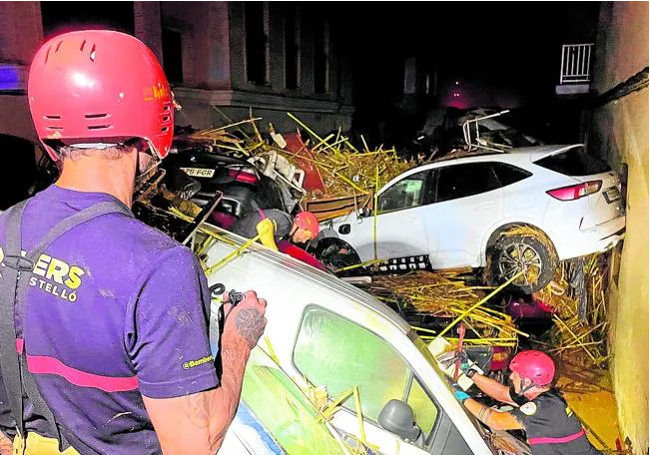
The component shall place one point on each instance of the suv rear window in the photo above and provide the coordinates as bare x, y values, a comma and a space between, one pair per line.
509, 174
575, 162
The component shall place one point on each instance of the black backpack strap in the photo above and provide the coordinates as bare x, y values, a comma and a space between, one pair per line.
18, 381
9, 361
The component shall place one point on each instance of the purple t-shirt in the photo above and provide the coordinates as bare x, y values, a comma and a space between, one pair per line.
115, 310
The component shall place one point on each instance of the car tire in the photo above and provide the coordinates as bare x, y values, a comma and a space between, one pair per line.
335, 253
531, 251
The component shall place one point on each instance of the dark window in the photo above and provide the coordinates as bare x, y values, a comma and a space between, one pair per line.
256, 42
508, 174
405, 194
291, 49
462, 180
321, 57
19, 171
575, 162
61, 17
172, 43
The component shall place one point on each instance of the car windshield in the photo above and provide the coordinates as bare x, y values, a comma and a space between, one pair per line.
424, 349
283, 409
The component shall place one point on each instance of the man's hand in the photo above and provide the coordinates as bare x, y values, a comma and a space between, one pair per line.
6, 446
246, 320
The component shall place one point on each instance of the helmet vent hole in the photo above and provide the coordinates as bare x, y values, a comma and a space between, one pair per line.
166, 107
164, 129
82, 45
92, 53
58, 46
52, 117
166, 118
95, 116
47, 54
98, 127
54, 127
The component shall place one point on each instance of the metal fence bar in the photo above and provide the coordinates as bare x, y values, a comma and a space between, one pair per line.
575, 65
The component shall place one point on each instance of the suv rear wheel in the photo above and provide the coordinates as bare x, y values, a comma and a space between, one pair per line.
523, 249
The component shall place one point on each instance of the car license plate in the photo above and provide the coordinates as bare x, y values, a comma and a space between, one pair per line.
612, 195
198, 172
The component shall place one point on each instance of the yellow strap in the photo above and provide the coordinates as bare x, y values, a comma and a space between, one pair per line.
40, 445
266, 231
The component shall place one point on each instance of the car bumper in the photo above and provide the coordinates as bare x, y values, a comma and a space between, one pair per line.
598, 239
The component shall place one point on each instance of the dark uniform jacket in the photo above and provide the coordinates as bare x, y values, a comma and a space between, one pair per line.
551, 426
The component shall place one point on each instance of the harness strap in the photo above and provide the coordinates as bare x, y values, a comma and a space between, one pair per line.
563, 440
18, 381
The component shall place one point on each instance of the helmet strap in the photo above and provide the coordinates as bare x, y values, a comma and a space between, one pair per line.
523, 389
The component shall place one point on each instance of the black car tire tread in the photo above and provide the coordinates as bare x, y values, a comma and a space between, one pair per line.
533, 239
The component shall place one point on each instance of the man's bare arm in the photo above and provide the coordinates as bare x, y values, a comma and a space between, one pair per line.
493, 388
494, 419
197, 423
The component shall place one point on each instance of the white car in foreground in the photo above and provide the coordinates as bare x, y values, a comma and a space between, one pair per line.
469, 211
324, 338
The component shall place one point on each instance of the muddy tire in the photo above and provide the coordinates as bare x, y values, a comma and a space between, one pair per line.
336, 254
531, 252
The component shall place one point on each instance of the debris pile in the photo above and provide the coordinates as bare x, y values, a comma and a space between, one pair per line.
578, 297
344, 169
446, 295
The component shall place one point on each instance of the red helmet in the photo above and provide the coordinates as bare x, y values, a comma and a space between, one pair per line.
99, 86
308, 221
534, 365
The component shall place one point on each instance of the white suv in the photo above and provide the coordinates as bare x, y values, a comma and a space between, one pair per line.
468, 211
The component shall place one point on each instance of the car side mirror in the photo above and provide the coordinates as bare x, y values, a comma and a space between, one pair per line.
364, 212
397, 417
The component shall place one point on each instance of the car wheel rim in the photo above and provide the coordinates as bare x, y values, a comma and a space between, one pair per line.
519, 257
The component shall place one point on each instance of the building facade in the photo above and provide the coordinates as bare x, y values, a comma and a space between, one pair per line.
224, 59
271, 58
619, 132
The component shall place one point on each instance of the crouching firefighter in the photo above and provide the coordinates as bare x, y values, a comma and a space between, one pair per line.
104, 345
281, 232
551, 426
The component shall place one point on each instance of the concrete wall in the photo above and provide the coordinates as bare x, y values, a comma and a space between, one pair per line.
205, 39
620, 132
21, 33
215, 70
147, 26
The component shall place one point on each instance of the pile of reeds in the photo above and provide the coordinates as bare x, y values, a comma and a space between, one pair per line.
447, 296
345, 169
578, 296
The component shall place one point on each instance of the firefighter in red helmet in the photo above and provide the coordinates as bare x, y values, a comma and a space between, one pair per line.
551, 426
281, 232
104, 344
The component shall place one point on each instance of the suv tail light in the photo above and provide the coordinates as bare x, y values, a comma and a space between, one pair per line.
242, 175
571, 193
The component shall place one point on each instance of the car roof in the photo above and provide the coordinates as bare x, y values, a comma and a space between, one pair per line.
522, 153
293, 269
